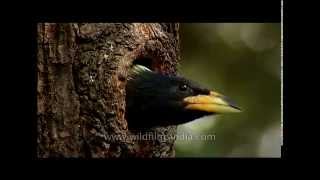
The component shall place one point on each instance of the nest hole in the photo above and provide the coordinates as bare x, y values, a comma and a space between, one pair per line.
144, 61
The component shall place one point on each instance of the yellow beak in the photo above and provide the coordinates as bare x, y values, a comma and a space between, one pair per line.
214, 103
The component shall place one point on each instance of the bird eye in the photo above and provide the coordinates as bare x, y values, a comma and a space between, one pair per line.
183, 87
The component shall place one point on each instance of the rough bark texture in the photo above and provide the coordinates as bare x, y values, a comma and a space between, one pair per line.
82, 71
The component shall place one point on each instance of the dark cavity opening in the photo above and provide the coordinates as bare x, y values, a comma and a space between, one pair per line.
147, 62
132, 120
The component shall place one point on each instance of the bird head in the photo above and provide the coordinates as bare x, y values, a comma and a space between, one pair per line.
154, 99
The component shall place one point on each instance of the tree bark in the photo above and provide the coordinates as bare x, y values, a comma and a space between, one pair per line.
81, 71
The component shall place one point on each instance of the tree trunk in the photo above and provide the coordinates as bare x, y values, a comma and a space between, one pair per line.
82, 71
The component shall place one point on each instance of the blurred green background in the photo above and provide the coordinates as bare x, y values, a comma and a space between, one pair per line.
241, 61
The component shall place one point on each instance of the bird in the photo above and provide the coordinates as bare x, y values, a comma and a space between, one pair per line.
158, 100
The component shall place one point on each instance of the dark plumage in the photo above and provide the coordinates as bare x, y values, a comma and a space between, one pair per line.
159, 100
